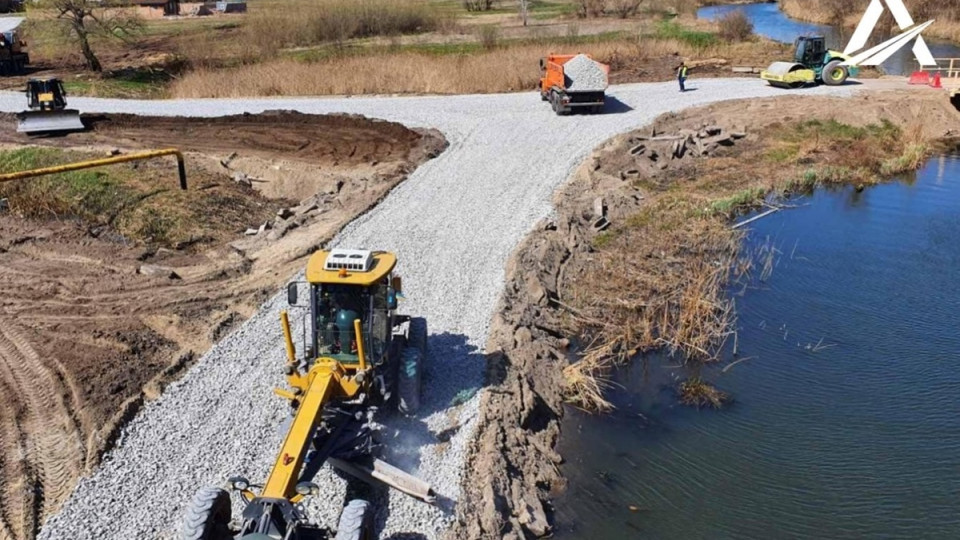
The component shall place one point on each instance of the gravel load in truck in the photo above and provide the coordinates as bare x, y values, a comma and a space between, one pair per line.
581, 74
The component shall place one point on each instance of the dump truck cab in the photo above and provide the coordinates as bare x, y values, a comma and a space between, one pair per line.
13, 55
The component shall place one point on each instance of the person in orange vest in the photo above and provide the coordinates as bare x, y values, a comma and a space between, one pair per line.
682, 75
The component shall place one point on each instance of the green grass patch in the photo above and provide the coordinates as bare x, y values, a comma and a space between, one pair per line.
782, 154
92, 195
737, 201
670, 29
832, 129
138, 84
604, 238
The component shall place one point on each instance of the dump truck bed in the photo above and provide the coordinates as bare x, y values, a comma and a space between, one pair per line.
572, 81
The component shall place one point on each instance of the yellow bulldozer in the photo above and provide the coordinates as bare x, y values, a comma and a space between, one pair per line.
360, 359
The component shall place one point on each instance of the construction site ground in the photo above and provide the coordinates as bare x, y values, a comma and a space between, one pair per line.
92, 323
454, 225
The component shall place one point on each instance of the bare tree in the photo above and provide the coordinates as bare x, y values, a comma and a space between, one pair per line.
85, 19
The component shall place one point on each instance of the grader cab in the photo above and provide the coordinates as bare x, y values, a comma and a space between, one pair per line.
360, 358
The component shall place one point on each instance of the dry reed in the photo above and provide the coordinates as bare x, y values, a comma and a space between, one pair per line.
658, 280
698, 393
505, 68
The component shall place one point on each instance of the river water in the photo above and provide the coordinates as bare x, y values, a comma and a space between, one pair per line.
846, 414
770, 22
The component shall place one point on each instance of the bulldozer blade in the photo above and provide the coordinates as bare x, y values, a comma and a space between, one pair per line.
49, 121
387, 474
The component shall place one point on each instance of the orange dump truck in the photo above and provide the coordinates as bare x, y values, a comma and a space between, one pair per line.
573, 81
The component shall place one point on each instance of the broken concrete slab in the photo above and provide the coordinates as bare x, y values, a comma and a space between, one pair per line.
153, 270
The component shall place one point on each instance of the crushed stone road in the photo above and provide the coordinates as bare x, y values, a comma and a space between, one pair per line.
453, 224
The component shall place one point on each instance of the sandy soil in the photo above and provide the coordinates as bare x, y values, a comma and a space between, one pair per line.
514, 469
86, 335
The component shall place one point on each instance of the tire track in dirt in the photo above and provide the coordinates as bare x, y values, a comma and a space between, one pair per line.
16, 508
53, 454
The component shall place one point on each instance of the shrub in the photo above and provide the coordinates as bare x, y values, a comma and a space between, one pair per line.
625, 8
590, 8
489, 35
478, 5
735, 26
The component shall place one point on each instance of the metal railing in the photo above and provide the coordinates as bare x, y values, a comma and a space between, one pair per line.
181, 169
948, 67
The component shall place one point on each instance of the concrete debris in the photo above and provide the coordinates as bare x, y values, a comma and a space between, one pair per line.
284, 213
699, 142
115, 152
584, 75
225, 162
305, 208
600, 213
153, 270
241, 178
4, 205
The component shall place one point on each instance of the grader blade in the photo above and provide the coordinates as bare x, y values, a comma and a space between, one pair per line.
49, 121
384, 473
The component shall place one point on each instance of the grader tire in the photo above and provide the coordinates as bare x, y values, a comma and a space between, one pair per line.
410, 370
834, 74
208, 516
356, 521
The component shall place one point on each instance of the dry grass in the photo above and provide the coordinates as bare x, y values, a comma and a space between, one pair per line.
698, 393
337, 21
142, 204
508, 67
586, 381
658, 280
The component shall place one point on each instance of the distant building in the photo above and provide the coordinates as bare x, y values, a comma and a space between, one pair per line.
156, 8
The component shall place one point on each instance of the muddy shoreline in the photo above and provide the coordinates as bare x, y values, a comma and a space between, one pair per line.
515, 468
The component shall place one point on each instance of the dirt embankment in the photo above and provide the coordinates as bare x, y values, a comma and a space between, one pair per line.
515, 470
93, 323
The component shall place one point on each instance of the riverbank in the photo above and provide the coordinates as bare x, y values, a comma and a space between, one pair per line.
653, 278
848, 14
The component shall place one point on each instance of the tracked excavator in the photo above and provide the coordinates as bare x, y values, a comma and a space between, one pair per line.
360, 359
813, 63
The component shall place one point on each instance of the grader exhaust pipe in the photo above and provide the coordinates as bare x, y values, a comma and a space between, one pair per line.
181, 169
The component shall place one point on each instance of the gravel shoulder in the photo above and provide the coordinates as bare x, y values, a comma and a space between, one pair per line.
454, 223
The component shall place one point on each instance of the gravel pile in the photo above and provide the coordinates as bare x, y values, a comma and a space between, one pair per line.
453, 224
582, 74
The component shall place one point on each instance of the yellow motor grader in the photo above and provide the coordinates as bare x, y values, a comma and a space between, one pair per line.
360, 357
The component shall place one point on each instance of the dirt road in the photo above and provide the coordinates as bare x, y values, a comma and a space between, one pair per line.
454, 223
